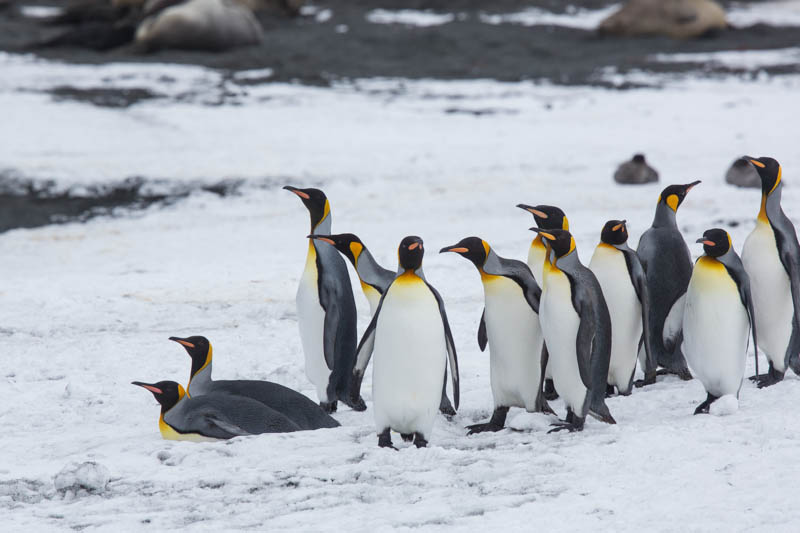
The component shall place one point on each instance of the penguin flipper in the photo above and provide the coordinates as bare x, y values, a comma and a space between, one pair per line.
583, 345
364, 352
482, 337
733, 264
673, 324
518, 272
450, 345
639, 281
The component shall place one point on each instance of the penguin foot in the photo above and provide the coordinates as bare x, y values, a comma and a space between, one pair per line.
550, 393
649, 379
419, 441
328, 407
767, 380
682, 373
385, 439
407, 437
446, 408
484, 427
609, 391
356, 404
569, 426
704, 407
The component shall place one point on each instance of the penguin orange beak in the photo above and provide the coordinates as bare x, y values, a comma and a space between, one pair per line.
182, 341
532, 210
543, 233
456, 249
321, 238
151, 388
297, 191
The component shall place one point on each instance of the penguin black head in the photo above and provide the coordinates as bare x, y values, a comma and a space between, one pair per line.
348, 244
768, 170
198, 348
473, 248
167, 393
315, 201
547, 216
674, 195
716, 242
614, 232
560, 241
410, 253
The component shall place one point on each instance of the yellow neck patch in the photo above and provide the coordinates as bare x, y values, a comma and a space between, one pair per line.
710, 263
762, 214
409, 276
537, 242
672, 202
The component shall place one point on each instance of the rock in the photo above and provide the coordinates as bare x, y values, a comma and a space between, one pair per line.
212, 25
87, 477
635, 172
743, 174
679, 19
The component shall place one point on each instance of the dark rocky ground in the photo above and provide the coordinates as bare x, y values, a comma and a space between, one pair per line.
308, 51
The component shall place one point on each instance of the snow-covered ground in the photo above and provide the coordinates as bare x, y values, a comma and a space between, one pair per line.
87, 308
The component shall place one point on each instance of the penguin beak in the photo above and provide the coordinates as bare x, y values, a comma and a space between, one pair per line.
183, 342
543, 233
454, 248
151, 388
297, 191
691, 185
532, 210
321, 238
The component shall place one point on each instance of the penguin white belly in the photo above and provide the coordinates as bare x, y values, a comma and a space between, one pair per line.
409, 359
311, 320
771, 291
515, 344
560, 323
611, 270
372, 295
536, 255
715, 328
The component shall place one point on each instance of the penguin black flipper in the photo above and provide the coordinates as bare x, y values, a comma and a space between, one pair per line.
451, 346
639, 280
364, 351
733, 264
789, 253
519, 273
482, 336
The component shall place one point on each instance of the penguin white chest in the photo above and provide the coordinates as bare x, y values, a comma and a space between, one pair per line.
611, 270
515, 344
771, 291
715, 328
560, 324
311, 321
409, 358
536, 256
372, 295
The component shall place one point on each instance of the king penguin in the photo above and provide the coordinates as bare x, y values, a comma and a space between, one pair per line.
374, 281
546, 217
411, 338
668, 266
577, 330
511, 315
212, 416
718, 318
621, 277
291, 404
771, 256
326, 311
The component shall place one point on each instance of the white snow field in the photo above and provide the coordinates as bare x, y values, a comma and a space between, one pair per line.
86, 308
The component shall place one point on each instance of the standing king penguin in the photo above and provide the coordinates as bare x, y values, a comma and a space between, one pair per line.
668, 266
771, 256
374, 281
718, 318
547, 217
410, 336
326, 311
212, 416
621, 276
511, 314
577, 330
295, 406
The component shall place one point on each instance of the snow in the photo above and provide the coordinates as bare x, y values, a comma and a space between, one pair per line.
88, 307
725, 406
747, 59
409, 17
775, 13
585, 19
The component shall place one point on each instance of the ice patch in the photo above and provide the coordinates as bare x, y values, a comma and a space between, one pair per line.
409, 17
776, 13
726, 405
584, 19
747, 59
80, 478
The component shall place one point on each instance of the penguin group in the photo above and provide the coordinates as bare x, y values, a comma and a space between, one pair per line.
555, 328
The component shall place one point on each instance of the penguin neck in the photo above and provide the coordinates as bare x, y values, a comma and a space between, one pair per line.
200, 376
323, 227
537, 242
368, 270
409, 275
770, 206
665, 217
